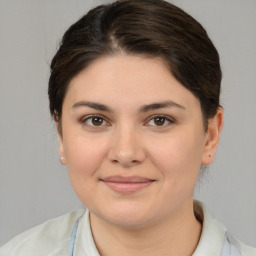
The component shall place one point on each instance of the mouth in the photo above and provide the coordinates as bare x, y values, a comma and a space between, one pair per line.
126, 185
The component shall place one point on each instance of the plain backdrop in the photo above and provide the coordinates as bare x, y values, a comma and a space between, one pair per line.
34, 186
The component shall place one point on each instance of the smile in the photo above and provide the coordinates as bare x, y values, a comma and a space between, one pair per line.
125, 185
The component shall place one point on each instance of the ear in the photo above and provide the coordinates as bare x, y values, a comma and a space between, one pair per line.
61, 147
215, 125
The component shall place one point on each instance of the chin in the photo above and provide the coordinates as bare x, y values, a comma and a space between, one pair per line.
128, 222
131, 217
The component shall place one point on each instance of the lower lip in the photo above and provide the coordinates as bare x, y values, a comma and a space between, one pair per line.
127, 187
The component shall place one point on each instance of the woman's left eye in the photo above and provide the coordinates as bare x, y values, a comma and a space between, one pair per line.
160, 121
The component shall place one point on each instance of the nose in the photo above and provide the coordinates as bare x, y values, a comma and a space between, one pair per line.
126, 147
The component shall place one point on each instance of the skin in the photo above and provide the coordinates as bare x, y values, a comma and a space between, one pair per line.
157, 219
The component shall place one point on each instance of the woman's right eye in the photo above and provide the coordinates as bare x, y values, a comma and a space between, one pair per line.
94, 121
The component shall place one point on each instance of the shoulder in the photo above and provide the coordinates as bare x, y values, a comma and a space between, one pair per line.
233, 246
49, 238
216, 239
247, 250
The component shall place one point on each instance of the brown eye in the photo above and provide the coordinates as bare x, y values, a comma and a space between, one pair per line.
94, 121
159, 121
97, 121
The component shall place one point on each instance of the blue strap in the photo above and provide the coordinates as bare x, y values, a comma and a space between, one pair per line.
73, 239
230, 246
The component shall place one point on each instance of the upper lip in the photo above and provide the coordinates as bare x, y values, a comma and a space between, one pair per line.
122, 179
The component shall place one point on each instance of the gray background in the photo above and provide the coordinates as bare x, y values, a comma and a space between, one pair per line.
35, 187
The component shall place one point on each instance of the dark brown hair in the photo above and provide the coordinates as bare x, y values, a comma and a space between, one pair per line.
152, 28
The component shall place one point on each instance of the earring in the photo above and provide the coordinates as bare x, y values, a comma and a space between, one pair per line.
61, 159
210, 155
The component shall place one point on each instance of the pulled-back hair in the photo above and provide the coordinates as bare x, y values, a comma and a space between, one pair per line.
152, 28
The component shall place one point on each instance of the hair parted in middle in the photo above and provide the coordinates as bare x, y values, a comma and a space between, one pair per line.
150, 28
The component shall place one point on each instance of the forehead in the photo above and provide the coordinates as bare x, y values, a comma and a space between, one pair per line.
125, 79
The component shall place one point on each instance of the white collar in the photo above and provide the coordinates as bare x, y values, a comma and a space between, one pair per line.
213, 232
210, 244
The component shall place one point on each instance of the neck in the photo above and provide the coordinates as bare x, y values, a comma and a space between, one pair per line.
174, 235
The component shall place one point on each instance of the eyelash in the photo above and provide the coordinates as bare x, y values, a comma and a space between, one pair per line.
86, 118
166, 118
151, 118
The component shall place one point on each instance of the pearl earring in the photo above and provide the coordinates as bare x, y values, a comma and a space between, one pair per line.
61, 159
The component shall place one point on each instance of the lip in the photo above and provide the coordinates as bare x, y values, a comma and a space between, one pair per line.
126, 185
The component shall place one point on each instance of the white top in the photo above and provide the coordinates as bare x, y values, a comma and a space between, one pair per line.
55, 236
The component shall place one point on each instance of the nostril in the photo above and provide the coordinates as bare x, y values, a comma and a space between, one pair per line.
126, 151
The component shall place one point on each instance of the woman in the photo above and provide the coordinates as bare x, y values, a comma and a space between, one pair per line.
134, 91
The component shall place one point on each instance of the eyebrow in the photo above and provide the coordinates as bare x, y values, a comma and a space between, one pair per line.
159, 105
93, 105
143, 109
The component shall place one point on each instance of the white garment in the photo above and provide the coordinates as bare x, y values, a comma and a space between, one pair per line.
52, 238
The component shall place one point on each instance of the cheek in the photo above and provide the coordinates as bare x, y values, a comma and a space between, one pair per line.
178, 157
84, 155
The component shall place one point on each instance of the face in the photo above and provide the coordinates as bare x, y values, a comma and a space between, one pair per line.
133, 140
